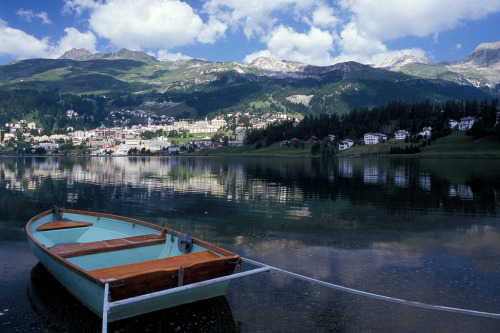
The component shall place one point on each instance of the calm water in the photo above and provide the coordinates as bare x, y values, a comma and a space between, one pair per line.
425, 230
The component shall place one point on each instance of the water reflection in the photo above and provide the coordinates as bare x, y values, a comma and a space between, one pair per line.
420, 229
278, 188
63, 313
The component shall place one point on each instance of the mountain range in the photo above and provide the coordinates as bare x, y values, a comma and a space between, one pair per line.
481, 68
319, 89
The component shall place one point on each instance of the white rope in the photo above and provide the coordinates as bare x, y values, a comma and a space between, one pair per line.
376, 296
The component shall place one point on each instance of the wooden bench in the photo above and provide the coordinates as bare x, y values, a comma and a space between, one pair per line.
160, 274
63, 224
81, 249
164, 264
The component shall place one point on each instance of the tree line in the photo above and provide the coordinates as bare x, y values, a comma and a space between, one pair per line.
387, 119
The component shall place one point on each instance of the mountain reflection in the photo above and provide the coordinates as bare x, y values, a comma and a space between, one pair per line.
426, 230
319, 192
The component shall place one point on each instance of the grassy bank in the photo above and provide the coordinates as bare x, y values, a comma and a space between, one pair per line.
273, 150
460, 145
456, 145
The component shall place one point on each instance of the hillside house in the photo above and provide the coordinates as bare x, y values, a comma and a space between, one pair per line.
426, 132
401, 135
466, 123
346, 144
374, 138
236, 143
218, 122
452, 123
173, 149
205, 142
241, 135
330, 138
71, 114
49, 145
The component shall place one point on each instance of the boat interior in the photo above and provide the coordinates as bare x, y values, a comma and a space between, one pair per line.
113, 249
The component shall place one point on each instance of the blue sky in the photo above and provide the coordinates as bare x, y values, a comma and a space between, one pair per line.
316, 32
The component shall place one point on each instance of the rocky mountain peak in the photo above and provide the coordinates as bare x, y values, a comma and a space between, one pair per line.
131, 55
272, 65
484, 55
400, 61
77, 54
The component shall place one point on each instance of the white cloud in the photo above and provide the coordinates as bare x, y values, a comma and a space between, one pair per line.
164, 55
75, 39
372, 23
256, 17
257, 54
284, 43
357, 46
137, 24
79, 6
18, 44
323, 16
458, 46
28, 15
213, 30
388, 19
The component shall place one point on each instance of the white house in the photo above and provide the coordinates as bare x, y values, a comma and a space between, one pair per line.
374, 138
329, 138
49, 145
205, 142
235, 143
241, 135
346, 144
173, 148
8, 136
453, 123
156, 145
426, 132
466, 123
401, 135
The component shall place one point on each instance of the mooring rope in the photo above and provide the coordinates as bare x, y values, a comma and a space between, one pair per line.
375, 296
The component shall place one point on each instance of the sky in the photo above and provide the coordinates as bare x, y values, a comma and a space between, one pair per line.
315, 32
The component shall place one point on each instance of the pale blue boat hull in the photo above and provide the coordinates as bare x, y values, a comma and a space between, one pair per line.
75, 273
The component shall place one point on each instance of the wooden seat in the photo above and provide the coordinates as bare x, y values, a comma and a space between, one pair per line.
80, 249
145, 277
63, 224
164, 264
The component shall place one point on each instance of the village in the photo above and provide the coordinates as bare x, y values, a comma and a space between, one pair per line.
122, 140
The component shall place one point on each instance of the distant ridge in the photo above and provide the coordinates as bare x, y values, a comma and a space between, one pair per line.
123, 54
480, 69
484, 55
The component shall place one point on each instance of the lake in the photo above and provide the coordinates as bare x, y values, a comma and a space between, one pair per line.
425, 230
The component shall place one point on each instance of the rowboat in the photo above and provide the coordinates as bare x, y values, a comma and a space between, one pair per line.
121, 267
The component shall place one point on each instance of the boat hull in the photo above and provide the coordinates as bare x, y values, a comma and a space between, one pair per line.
79, 275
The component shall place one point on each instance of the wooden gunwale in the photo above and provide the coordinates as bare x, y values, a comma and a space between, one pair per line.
93, 278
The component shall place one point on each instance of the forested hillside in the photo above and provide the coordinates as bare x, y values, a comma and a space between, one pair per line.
386, 119
43, 89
